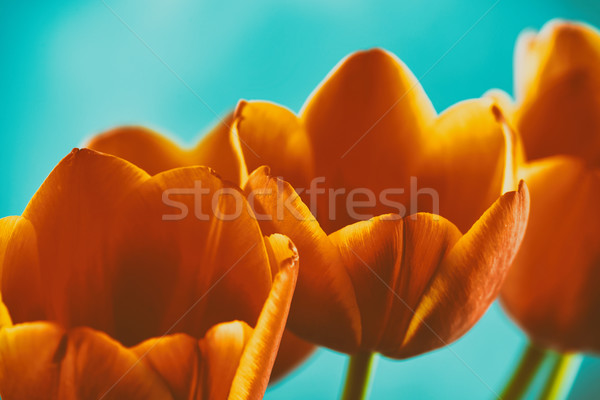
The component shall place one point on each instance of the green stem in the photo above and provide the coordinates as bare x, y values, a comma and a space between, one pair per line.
523, 376
561, 378
358, 376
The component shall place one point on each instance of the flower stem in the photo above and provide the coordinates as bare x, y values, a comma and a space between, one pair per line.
523, 376
561, 378
358, 376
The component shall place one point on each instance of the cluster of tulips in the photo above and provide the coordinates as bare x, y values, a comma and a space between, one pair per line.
112, 289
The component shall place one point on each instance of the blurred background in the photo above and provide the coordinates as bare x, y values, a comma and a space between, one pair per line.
70, 69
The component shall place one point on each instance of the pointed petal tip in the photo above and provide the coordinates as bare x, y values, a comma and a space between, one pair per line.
522, 192
290, 260
283, 254
239, 108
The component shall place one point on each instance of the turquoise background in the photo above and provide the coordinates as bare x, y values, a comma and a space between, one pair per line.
71, 69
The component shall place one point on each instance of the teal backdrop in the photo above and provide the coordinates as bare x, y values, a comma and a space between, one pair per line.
71, 69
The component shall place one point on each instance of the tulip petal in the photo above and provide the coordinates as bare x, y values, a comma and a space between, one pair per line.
273, 135
552, 289
557, 78
142, 147
367, 114
392, 262
21, 280
223, 347
187, 256
470, 275
54, 254
7, 227
419, 283
324, 309
5, 319
27, 366
41, 361
22, 288
177, 359
252, 376
155, 153
467, 151
216, 150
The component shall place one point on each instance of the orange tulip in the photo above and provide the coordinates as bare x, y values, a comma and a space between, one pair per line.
417, 283
110, 299
552, 290
399, 286
154, 153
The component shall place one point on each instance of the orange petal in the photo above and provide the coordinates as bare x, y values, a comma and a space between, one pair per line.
41, 361
470, 275
5, 319
372, 126
324, 308
216, 150
7, 227
557, 81
21, 279
273, 135
465, 163
58, 249
419, 283
187, 255
391, 262
177, 360
369, 113
223, 347
552, 289
155, 153
252, 376
143, 147
195, 369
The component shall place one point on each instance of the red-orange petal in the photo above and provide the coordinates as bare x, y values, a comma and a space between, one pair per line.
178, 361
464, 163
254, 371
367, 114
143, 147
324, 309
552, 289
392, 262
470, 275
217, 151
557, 82
21, 278
272, 135
154, 152
42, 361
188, 255
65, 227
420, 284
222, 348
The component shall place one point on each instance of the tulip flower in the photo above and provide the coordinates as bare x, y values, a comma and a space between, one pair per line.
155, 153
421, 281
552, 291
398, 286
106, 293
